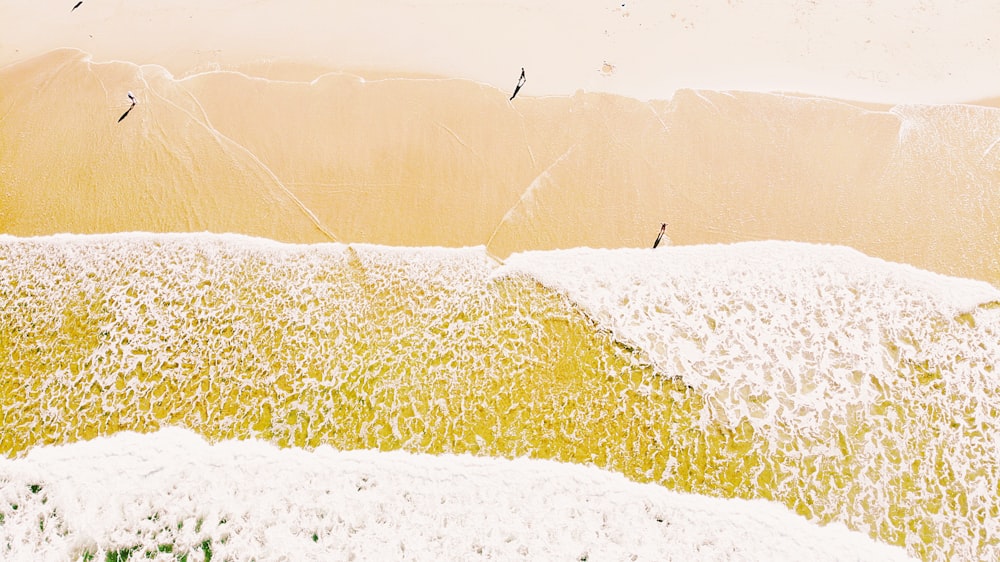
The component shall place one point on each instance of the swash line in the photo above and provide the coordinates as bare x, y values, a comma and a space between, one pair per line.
460, 141
220, 136
527, 192
990, 148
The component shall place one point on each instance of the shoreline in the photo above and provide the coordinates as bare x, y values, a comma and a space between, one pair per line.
632, 49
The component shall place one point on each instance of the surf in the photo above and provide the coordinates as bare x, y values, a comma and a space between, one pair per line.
803, 374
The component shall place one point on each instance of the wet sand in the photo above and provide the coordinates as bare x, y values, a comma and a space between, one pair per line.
306, 135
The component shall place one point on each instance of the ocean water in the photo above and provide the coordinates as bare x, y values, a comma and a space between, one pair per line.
814, 380
847, 388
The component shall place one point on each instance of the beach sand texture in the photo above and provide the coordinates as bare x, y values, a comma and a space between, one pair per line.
392, 125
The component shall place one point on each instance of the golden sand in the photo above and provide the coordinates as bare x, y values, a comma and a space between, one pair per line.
432, 161
309, 121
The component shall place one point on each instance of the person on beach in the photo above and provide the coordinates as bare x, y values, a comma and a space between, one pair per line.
663, 228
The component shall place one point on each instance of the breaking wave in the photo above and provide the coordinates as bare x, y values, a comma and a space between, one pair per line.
171, 496
849, 389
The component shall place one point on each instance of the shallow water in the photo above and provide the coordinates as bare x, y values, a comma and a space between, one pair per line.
846, 388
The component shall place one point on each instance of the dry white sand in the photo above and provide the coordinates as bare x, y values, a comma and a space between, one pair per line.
890, 51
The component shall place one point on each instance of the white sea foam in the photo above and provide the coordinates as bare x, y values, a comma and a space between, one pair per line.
796, 323
246, 499
866, 389
827, 354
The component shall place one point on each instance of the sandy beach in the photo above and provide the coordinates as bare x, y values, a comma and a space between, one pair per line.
345, 121
892, 52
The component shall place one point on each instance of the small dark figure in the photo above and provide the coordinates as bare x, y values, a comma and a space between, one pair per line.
663, 228
520, 82
131, 99
77, 5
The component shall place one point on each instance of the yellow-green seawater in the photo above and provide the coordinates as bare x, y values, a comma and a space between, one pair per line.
433, 350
